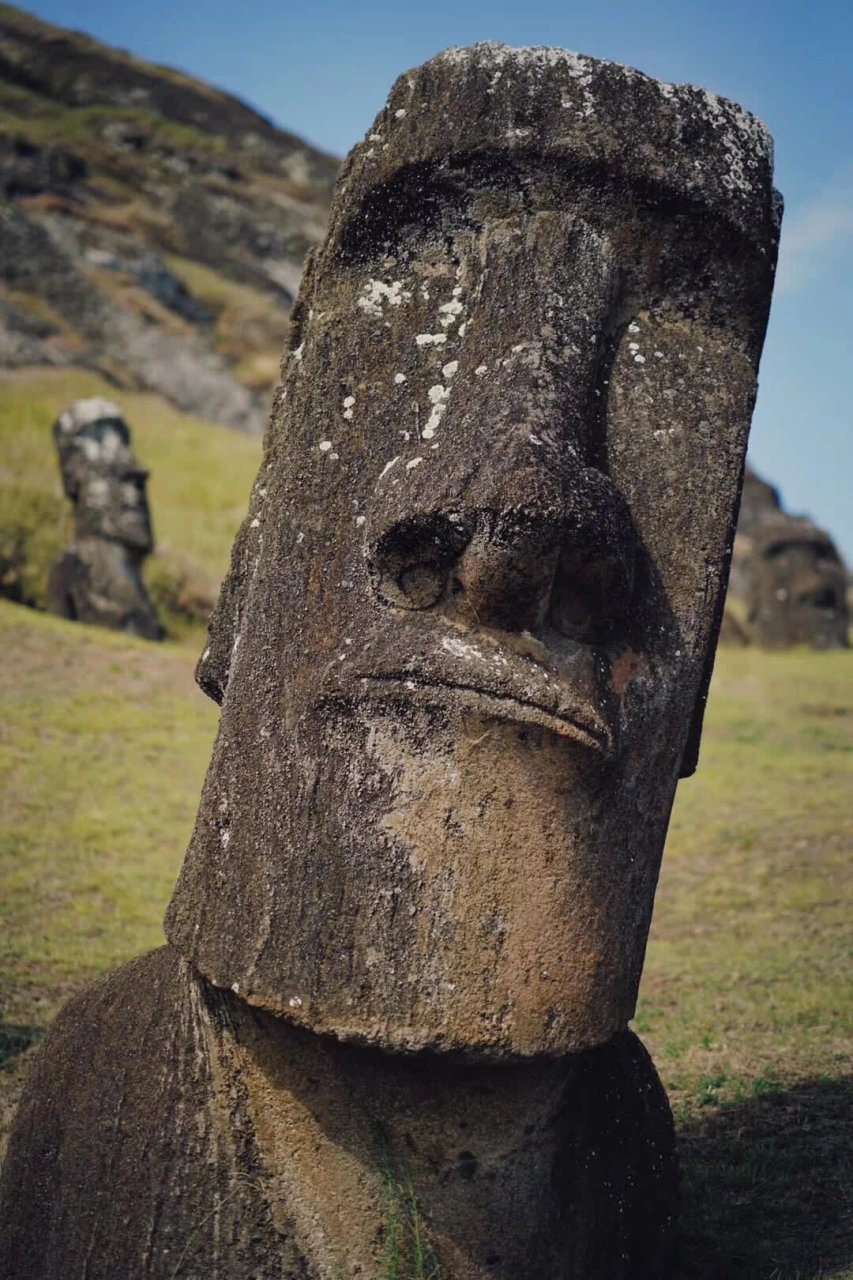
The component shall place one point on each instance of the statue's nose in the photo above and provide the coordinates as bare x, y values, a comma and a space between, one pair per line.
546, 556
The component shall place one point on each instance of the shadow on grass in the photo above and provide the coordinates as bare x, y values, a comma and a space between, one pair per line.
14, 1040
767, 1187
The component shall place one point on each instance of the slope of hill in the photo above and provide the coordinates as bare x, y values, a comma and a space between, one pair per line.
151, 227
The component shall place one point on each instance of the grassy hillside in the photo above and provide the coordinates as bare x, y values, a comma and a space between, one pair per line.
745, 1002
200, 480
164, 223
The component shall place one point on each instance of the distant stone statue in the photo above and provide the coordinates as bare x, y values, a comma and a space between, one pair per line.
797, 592
462, 653
787, 575
98, 579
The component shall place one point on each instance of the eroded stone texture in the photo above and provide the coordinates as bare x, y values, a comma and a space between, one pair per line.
787, 574
98, 579
462, 653
169, 1130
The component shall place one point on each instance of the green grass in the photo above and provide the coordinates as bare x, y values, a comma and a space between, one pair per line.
200, 480
745, 1003
103, 747
747, 996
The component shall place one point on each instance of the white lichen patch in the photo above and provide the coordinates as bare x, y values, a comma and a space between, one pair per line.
388, 465
438, 399
480, 370
324, 446
415, 462
433, 421
430, 339
448, 311
449, 369
399, 379
377, 293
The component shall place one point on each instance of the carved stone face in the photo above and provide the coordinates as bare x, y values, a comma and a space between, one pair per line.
798, 587
102, 477
468, 631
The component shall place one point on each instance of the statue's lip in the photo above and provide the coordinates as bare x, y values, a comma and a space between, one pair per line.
584, 728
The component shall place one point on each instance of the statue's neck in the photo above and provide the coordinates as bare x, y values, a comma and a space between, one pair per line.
375, 1155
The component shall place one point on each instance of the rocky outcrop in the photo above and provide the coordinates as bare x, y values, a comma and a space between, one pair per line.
154, 227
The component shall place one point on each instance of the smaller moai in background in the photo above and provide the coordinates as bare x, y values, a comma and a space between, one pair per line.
98, 578
787, 574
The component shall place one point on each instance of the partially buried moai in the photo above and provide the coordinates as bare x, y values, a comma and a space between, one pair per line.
798, 587
98, 578
462, 655
787, 575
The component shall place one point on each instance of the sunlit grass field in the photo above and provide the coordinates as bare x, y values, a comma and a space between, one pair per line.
746, 1000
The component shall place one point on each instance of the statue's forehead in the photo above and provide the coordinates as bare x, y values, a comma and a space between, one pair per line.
490, 101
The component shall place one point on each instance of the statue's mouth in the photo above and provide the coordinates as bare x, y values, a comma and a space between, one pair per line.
585, 729
453, 670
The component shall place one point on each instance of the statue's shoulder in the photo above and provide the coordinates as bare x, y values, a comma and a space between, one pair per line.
132, 1142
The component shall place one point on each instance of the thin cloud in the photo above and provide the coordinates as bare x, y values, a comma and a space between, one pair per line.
812, 237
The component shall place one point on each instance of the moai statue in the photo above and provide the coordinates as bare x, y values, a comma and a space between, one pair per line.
797, 588
787, 575
98, 578
462, 655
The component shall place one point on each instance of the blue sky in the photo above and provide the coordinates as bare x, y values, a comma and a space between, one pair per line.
323, 67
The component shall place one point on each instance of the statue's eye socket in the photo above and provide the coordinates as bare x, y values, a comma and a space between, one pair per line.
418, 204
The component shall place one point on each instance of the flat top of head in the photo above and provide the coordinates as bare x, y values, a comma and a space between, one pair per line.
82, 413
490, 98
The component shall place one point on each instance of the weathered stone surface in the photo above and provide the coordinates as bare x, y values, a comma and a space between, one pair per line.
98, 579
169, 1130
463, 653
468, 632
787, 575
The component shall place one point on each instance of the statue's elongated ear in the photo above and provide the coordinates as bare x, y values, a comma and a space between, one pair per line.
690, 759
214, 665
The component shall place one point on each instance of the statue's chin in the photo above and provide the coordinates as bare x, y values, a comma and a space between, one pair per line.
472, 899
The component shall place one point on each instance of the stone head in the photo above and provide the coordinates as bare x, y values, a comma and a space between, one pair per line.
101, 476
466, 639
797, 591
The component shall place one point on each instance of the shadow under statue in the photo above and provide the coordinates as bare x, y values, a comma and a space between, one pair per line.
462, 654
98, 578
